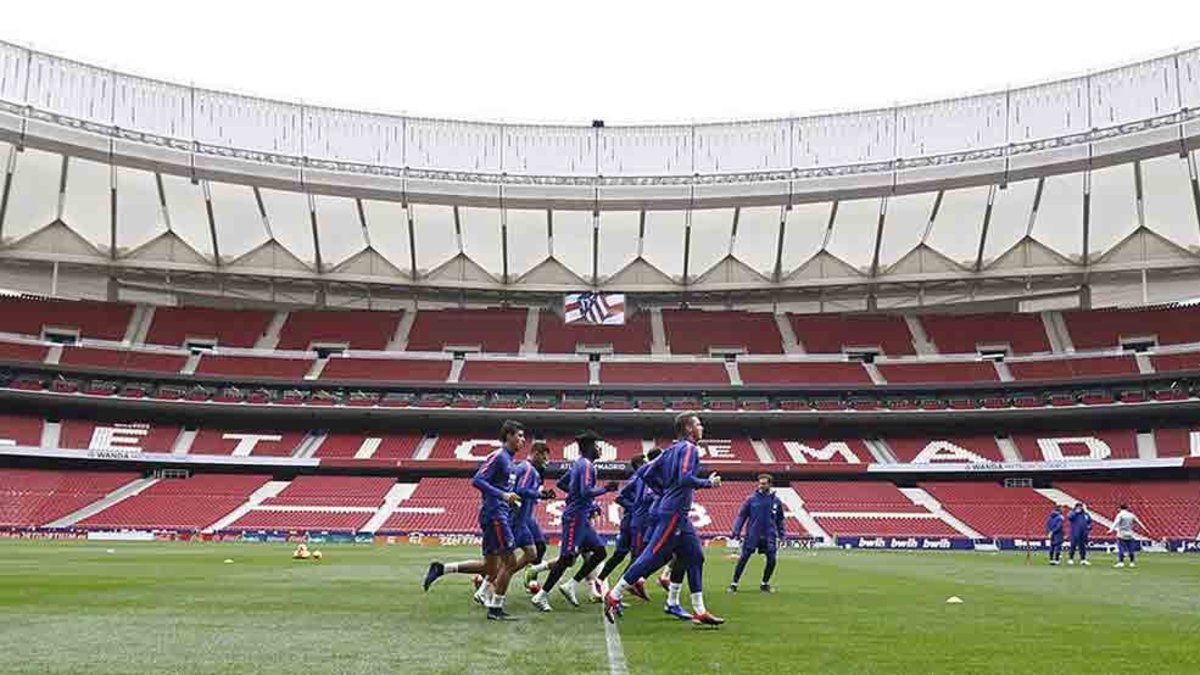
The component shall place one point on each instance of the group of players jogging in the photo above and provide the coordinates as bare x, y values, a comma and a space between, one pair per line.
655, 532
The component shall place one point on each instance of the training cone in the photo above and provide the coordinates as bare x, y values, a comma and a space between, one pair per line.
228, 561
954, 600
111, 550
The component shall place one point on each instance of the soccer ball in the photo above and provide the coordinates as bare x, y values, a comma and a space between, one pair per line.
533, 586
477, 581
316, 555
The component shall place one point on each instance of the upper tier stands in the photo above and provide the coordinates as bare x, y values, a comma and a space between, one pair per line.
757, 372
229, 327
820, 450
1175, 442
1106, 328
20, 430
368, 446
386, 370
183, 504
945, 449
1061, 369
1164, 363
968, 333
1115, 444
557, 337
698, 332
620, 372
927, 373
89, 435
357, 330
14, 351
35, 497
120, 359
524, 372
492, 330
254, 366
95, 320
834, 333
246, 442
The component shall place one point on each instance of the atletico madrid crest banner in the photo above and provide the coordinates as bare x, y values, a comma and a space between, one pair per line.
595, 308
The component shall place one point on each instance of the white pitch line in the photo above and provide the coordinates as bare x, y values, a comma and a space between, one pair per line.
616, 653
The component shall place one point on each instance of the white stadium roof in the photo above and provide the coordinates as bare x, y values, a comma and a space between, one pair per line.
1084, 183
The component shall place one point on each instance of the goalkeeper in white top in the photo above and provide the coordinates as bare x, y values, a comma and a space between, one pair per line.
1127, 543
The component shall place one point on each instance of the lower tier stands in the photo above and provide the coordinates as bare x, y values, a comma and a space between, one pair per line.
927, 373
1167, 509
621, 372
183, 504
35, 497
368, 446
254, 367
802, 373
386, 370
1065, 369
992, 509
124, 360
1098, 445
955, 449
524, 372
246, 442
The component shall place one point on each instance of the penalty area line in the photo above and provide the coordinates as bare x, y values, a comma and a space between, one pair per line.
616, 653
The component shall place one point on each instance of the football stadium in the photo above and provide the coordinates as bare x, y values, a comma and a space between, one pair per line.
294, 388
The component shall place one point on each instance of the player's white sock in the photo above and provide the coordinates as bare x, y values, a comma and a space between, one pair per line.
451, 568
593, 575
498, 601
673, 594
618, 591
542, 566
698, 603
489, 592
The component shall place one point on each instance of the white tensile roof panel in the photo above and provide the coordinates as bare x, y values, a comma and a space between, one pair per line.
139, 209
290, 218
959, 224
851, 138
237, 220
187, 212
1134, 92
710, 242
905, 225
1189, 78
743, 146
573, 241
1167, 203
549, 150
481, 237
804, 233
645, 150
387, 226
87, 206
1048, 110
758, 237
433, 231
452, 145
1059, 220
1011, 210
664, 241
619, 243
854, 230
33, 195
528, 239
1113, 208
339, 230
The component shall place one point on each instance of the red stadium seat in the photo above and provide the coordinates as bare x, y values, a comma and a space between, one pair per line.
229, 327
524, 372
188, 504
624, 372
966, 333
386, 370
833, 334
923, 373
802, 373
1106, 328
698, 332
356, 329
123, 360
557, 337
94, 320
36, 497
492, 330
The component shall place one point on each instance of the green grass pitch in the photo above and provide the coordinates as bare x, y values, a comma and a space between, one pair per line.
71, 607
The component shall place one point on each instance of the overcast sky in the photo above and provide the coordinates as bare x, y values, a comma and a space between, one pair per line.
619, 60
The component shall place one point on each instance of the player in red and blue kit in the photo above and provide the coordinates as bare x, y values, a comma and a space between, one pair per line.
676, 476
578, 535
496, 480
762, 517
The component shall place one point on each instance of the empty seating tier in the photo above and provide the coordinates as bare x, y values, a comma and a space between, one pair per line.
699, 332
178, 504
1108, 328
35, 497
228, 327
834, 334
356, 330
491, 330
969, 333
557, 337
95, 320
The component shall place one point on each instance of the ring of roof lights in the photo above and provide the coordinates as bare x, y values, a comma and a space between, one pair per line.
1116, 104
